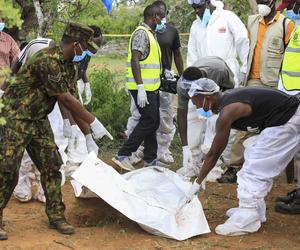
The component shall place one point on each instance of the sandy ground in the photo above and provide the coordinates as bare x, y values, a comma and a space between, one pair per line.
99, 226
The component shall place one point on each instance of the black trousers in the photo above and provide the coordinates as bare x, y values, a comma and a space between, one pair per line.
145, 130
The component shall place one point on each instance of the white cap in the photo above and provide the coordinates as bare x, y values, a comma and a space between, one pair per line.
218, 4
203, 86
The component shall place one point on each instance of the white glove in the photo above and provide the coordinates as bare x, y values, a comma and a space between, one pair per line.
80, 86
169, 74
142, 96
99, 130
195, 188
91, 144
1, 93
67, 130
88, 93
243, 79
73, 142
187, 156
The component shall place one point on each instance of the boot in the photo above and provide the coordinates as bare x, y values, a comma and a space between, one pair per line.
3, 234
291, 207
229, 176
287, 198
62, 226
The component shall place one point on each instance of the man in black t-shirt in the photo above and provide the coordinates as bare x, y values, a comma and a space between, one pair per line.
275, 117
169, 41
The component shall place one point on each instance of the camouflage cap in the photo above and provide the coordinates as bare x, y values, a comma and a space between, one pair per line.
81, 33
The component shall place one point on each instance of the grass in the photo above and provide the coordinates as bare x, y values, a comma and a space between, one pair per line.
115, 63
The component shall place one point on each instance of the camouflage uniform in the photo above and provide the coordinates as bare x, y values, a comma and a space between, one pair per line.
28, 100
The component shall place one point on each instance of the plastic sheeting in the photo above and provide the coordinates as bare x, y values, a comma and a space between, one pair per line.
155, 198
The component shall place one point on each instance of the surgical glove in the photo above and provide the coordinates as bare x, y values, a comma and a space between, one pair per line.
243, 79
1, 93
170, 75
88, 93
142, 96
80, 86
74, 140
195, 188
99, 130
187, 156
91, 144
67, 130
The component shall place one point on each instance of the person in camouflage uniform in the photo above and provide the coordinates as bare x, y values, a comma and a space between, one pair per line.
49, 76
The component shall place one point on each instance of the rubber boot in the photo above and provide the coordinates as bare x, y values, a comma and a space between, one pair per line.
62, 227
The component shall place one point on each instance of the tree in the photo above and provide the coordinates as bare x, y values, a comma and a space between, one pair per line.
10, 13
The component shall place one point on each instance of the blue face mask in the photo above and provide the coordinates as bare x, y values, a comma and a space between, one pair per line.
78, 58
2, 26
89, 53
162, 26
292, 15
201, 112
206, 17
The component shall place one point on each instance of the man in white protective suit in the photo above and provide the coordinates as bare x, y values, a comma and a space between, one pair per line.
169, 41
65, 136
215, 32
275, 116
192, 123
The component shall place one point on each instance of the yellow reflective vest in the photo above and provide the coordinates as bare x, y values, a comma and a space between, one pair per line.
150, 66
290, 73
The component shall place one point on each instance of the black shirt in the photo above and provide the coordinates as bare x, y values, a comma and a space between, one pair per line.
270, 107
169, 41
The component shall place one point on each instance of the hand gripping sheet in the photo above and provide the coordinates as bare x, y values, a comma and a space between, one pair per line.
155, 198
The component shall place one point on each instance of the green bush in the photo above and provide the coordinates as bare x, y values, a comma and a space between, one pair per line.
110, 103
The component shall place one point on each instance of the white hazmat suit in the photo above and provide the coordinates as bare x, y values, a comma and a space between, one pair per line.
226, 37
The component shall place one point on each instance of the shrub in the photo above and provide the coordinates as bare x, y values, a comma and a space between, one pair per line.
110, 103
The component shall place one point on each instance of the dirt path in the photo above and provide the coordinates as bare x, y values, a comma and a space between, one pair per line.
99, 226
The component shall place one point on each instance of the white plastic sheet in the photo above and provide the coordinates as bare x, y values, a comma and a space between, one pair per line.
153, 197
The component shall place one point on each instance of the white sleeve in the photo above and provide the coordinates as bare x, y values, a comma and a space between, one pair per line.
192, 48
241, 39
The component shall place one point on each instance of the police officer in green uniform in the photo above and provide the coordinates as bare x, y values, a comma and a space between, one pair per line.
49, 76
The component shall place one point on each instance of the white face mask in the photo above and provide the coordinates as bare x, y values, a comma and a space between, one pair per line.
263, 10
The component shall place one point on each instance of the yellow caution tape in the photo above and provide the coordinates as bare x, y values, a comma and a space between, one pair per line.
128, 35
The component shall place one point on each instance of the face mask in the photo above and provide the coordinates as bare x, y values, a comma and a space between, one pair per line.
2, 25
89, 53
264, 10
202, 113
206, 17
78, 58
292, 15
162, 26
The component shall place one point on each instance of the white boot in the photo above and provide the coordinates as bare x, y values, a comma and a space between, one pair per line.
261, 209
242, 221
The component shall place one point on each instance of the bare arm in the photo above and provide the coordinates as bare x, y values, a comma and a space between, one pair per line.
227, 116
178, 61
84, 127
182, 125
135, 64
65, 113
75, 107
74, 119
